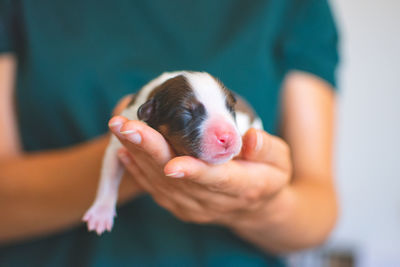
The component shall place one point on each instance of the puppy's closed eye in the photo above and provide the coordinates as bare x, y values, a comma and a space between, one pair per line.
184, 118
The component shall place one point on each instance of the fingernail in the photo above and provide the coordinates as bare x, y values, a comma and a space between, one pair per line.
128, 132
175, 174
259, 141
116, 123
132, 136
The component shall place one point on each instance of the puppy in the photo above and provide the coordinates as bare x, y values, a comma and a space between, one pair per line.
196, 114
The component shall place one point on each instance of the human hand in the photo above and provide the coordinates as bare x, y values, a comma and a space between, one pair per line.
229, 194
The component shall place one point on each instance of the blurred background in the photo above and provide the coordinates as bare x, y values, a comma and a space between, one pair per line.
367, 144
368, 132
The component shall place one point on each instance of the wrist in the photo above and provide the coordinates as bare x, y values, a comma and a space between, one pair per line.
300, 216
269, 227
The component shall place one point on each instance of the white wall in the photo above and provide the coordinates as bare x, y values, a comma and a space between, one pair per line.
368, 145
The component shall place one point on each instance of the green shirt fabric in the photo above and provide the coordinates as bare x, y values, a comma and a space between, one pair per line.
76, 59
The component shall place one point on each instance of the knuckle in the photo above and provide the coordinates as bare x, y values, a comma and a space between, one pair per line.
156, 154
253, 194
221, 182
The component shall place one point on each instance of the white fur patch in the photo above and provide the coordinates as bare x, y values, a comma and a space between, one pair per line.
257, 124
243, 122
209, 92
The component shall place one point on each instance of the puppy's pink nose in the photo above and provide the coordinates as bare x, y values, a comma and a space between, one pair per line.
224, 139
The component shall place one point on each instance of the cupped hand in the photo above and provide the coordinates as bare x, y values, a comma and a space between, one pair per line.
194, 191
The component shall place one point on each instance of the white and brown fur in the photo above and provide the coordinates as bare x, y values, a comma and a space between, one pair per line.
196, 114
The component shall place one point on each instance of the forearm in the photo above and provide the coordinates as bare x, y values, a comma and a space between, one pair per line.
301, 216
9, 143
45, 192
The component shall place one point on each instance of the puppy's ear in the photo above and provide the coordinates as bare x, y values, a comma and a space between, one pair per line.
232, 97
146, 110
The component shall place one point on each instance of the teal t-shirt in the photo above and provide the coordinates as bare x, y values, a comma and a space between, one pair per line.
76, 59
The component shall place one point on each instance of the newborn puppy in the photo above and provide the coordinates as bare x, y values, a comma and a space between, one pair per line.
196, 114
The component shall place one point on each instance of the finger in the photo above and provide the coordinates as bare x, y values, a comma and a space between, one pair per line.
173, 200
219, 199
185, 202
115, 124
133, 167
122, 104
237, 177
193, 169
135, 135
259, 146
171, 197
129, 163
214, 200
167, 188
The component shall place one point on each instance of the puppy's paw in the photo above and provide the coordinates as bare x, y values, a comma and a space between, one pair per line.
100, 217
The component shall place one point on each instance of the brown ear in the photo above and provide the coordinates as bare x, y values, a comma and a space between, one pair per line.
146, 110
232, 97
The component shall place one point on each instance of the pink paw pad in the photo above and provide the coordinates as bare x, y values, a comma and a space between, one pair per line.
100, 218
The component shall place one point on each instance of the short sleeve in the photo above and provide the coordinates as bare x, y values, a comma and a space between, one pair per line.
7, 26
310, 40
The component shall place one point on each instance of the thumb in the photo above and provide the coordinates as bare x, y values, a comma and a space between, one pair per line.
259, 146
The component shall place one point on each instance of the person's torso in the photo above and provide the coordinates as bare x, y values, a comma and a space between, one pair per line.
78, 59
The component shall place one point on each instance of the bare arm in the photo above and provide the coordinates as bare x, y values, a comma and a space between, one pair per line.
49, 191
9, 143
